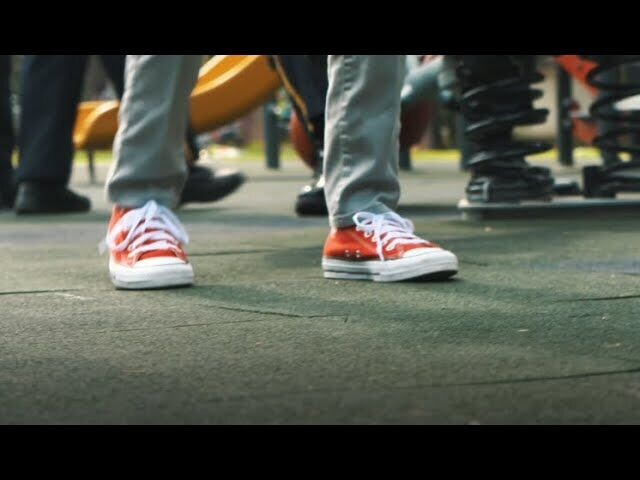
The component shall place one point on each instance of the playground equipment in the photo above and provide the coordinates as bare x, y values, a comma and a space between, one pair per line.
618, 110
228, 87
572, 123
419, 92
418, 97
496, 96
503, 184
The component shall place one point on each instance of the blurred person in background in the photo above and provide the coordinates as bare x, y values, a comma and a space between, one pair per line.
51, 87
7, 137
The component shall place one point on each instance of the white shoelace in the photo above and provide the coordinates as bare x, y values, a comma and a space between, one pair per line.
387, 230
167, 231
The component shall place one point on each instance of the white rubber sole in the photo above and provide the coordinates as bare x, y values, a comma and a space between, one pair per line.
151, 276
440, 263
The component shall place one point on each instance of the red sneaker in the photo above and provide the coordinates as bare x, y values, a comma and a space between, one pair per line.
145, 247
383, 248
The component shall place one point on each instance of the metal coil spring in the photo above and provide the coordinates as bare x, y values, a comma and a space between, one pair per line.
612, 77
493, 110
493, 102
617, 113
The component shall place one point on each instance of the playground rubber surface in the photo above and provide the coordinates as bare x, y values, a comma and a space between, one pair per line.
541, 325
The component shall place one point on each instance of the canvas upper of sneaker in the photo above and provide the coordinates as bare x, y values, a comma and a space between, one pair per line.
138, 235
382, 237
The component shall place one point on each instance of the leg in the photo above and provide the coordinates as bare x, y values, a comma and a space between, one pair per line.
51, 88
7, 139
306, 82
114, 67
50, 91
191, 146
361, 137
368, 240
149, 171
149, 159
203, 184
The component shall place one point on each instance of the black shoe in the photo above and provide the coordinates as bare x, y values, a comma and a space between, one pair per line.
311, 199
205, 185
7, 192
510, 183
566, 188
43, 198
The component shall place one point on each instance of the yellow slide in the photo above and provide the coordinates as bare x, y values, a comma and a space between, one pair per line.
228, 87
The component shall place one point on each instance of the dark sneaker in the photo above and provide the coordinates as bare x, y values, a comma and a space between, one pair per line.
206, 185
311, 199
7, 192
43, 198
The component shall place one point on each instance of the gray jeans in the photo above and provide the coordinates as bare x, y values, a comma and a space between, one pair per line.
149, 161
361, 135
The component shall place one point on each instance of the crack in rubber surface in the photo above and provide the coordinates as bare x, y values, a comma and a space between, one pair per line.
596, 299
27, 292
433, 385
267, 312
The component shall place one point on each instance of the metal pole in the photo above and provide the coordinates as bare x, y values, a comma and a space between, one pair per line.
92, 168
608, 157
435, 129
564, 131
463, 143
405, 159
271, 137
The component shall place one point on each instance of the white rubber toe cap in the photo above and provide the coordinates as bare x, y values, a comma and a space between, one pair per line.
424, 251
158, 261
